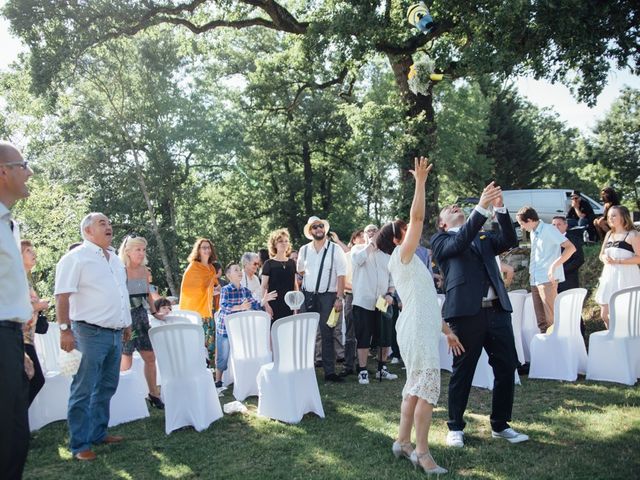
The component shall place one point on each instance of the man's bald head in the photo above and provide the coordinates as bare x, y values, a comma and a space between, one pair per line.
9, 153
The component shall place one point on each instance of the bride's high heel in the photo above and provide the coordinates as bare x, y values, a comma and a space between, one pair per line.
398, 449
415, 459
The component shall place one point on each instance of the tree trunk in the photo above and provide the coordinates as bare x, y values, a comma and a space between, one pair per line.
308, 179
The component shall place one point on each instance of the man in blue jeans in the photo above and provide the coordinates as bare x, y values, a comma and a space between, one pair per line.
92, 305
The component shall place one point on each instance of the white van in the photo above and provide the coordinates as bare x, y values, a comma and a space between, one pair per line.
547, 202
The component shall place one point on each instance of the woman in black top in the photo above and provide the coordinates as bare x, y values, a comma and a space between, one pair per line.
279, 273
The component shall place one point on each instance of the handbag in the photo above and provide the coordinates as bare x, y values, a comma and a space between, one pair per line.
42, 323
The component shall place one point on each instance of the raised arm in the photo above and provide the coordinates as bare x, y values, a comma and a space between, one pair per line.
421, 170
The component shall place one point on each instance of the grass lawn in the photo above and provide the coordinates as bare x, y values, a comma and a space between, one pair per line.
581, 430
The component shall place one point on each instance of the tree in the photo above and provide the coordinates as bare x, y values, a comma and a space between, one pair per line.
617, 144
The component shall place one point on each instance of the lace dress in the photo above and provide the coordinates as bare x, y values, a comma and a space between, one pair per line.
418, 328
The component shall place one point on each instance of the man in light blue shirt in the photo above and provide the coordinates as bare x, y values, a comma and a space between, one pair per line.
545, 265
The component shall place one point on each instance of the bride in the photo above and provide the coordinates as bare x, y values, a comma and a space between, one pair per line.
418, 327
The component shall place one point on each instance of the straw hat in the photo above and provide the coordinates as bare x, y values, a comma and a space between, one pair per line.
307, 228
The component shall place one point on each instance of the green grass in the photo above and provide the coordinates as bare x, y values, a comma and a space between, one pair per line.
581, 430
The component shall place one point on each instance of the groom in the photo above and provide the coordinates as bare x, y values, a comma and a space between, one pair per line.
477, 308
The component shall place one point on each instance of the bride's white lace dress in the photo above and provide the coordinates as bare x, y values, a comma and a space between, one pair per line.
418, 328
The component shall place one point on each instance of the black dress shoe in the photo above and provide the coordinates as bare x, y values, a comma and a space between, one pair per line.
155, 402
332, 377
346, 372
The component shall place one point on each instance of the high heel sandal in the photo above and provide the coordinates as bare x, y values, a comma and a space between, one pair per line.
155, 402
415, 459
398, 449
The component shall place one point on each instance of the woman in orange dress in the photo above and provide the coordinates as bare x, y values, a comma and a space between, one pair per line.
196, 291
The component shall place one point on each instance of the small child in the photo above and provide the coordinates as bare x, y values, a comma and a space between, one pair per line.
233, 298
163, 308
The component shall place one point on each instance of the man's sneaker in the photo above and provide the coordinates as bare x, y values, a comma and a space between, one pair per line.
510, 435
395, 361
363, 377
455, 438
385, 374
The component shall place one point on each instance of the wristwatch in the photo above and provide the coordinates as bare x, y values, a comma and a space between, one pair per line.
64, 327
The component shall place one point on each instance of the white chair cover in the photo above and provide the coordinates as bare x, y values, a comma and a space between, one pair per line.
614, 354
483, 376
529, 326
249, 334
52, 401
288, 387
561, 355
188, 389
188, 315
517, 298
128, 403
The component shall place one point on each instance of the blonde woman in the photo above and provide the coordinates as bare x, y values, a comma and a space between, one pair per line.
133, 253
620, 254
198, 284
279, 274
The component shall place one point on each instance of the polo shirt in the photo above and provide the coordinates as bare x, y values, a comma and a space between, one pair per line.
98, 286
545, 249
15, 301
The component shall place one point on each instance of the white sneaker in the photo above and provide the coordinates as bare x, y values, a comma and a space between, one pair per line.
395, 361
363, 377
510, 435
385, 374
455, 438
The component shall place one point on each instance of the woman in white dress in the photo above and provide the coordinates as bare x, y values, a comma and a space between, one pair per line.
620, 254
418, 327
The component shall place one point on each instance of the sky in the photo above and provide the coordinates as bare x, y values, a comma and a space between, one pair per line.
541, 93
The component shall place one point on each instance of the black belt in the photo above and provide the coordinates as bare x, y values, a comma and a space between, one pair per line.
10, 324
98, 326
490, 303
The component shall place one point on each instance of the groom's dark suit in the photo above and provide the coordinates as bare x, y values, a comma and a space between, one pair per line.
467, 260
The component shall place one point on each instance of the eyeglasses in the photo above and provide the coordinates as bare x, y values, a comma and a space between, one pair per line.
24, 164
256, 264
317, 226
574, 198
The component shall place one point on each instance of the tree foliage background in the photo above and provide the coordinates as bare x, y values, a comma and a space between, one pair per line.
181, 119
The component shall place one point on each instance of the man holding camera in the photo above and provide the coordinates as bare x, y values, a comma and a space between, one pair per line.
323, 267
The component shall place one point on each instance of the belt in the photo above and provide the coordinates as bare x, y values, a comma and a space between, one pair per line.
348, 293
10, 324
490, 303
98, 326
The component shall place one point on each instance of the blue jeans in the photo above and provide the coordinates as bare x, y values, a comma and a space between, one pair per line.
222, 351
93, 385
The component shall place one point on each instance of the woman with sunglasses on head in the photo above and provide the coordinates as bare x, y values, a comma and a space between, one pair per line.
197, 288
279, 274
609, 197
133, 253
620, 254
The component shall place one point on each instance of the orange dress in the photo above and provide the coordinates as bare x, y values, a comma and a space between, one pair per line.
196, 291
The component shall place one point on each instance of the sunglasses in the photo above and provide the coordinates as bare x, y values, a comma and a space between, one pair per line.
256, 264
317, 226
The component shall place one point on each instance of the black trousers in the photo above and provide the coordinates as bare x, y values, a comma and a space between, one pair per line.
14, 401
323, 305
489, 329
37, 382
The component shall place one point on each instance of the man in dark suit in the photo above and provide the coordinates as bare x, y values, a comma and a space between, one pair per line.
572, 266
477, 308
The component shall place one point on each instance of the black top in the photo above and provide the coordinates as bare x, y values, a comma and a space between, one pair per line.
281, 279
620, 244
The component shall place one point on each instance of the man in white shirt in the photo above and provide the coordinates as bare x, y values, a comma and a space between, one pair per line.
371, 280
323, 266
15, 310
92, 305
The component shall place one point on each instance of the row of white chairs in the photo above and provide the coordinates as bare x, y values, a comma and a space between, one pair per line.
614, 354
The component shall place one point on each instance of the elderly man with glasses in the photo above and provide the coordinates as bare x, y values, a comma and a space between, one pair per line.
323, 266
15, 311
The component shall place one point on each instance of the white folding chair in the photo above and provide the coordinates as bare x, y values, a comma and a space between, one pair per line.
561, 355
483, 376
529, 326
446, 357
188, 315
188, 389
614, 354
288, 387
52, 401
249, 340
517, 299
